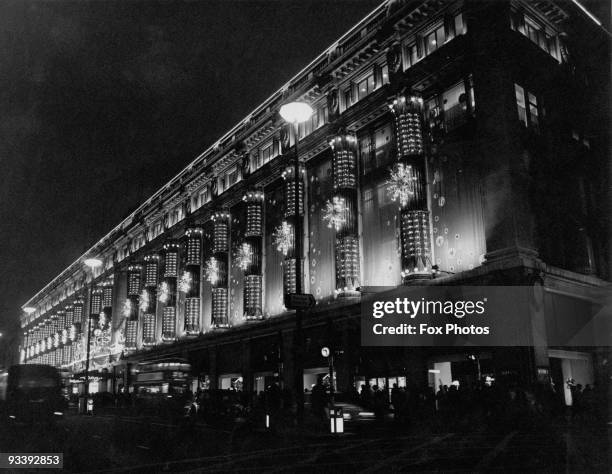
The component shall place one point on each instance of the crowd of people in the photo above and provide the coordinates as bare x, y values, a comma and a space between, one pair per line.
452, 406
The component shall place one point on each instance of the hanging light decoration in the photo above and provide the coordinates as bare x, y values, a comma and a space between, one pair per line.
144, 300
102, 320
401, 183
283, 238
164, 292
185, 282
212, 270
335, 213
127, 308
244, 256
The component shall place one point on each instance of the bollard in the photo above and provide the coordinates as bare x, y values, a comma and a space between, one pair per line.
336, 420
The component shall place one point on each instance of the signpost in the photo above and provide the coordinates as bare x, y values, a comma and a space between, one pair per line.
299, 301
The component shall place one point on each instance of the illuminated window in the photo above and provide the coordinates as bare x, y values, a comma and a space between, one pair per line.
527, 106
155, 229
232, 176
410, 55
201, 198
319, 118
415, 49
365, 85
138, 242
175, 215
537, 33
267, 152
454, 105
434, 40
375, 148
348, 97
460, 26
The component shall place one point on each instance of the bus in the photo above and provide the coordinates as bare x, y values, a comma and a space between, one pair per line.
30, 393
162, 384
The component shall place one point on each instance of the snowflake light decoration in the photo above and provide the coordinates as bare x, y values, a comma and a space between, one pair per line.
212, 270
401, 183
127, 308
164, 293
283, 238
144, 301
102, 320
335, 213
185, 282
243, 256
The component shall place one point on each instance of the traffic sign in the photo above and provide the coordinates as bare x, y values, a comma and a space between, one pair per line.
299, 301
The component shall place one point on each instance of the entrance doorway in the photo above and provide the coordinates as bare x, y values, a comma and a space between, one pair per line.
569, 368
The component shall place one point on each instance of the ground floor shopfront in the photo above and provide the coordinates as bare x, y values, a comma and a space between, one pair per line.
252, 357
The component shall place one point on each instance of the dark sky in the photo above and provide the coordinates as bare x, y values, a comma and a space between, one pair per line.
103, 102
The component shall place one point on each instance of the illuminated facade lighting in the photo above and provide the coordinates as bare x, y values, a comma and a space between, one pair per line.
190, 280
220, 290
250, 255
407, 185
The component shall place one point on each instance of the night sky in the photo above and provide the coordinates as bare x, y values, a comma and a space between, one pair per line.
103, 102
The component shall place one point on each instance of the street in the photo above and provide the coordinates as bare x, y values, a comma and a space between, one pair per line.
122, 443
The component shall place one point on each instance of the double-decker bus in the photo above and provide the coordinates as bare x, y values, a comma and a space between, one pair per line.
162, 384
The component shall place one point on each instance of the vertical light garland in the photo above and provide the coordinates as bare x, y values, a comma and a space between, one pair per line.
217, 269
95, 308
134, 278
61, 340
48, 340
288, 226
190, 280
250, 256
151, 272
407, 185
107, 303
77, 327
26, 337
166, 292
66, 341
54, 339
342, 213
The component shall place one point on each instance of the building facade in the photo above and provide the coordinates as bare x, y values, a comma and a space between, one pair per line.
452, 142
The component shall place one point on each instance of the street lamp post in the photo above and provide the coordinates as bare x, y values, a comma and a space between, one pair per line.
92, 263
296, 113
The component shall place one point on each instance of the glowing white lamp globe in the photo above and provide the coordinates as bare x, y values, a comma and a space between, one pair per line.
296, 112
93, 262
